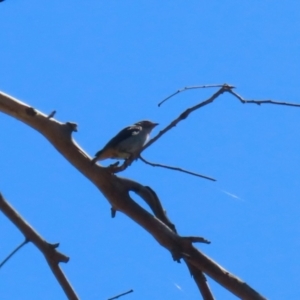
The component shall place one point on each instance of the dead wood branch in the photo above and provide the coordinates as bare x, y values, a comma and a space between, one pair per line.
187, 88
229, 89
223, 88
151, 198
53, 257
116, 191
201, 282
259, 102
181, 117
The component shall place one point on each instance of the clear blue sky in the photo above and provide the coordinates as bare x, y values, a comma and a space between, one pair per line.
105, 65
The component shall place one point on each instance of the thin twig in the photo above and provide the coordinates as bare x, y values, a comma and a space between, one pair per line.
182, 116
120, 295
176, 169
186, 113
224, 88
117, 195
13, 252
259, 102
191, 88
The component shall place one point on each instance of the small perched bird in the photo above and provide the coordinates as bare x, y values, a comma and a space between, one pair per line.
128, 141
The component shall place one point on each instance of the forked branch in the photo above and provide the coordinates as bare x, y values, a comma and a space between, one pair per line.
13, 252
223, 89
52, 256
116, 190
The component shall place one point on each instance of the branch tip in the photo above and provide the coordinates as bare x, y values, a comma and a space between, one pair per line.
120, 295
53, 246
113, 212
51, 115
72, 126
196, 239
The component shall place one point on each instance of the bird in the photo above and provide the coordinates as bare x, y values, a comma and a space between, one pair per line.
127, 142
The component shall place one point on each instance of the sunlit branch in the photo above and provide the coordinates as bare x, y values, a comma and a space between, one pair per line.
52, 256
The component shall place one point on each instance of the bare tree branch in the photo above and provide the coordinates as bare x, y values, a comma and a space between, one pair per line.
224, 88
259, 102
182, 116
175, 169
187, 88
52, 256
150, 197
117, 193
120, 295
186, 113
201, 282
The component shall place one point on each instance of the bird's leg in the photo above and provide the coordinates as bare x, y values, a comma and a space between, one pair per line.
115, 168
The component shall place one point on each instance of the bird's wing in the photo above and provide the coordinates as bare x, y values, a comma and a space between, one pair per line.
124, 134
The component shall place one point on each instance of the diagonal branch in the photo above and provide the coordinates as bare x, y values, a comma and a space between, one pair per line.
175, 169
223, 88
52, 256
117, 193
14, 251
200, 281
187, 88
151, 198
181, 117
121, 295
187, 112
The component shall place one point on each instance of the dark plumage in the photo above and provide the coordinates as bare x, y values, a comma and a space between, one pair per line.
128, 141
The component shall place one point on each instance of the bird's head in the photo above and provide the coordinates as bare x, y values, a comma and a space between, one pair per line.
146, 124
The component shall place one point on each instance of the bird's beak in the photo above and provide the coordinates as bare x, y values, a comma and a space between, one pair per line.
155, 124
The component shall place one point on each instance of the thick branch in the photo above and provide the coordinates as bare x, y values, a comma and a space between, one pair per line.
116, 192
52, 256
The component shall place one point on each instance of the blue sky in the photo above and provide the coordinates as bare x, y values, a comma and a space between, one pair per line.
105, 65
